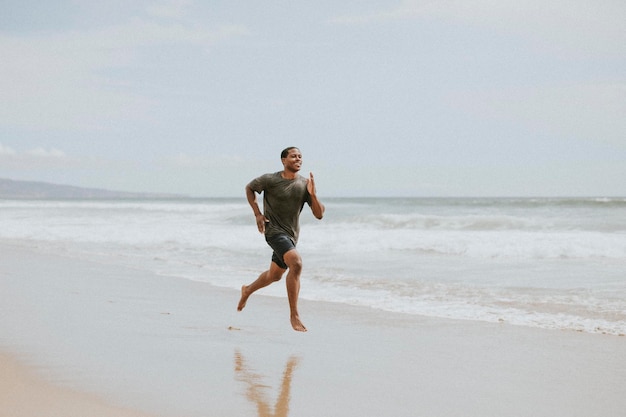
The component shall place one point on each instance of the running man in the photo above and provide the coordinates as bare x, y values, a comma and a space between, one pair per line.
284, 195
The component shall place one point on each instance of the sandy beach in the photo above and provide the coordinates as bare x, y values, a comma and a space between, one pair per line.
85, 338
23, 394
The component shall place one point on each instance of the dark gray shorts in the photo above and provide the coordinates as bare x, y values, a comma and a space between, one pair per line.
281, 244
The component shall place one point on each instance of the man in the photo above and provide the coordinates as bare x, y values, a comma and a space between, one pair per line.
284, 195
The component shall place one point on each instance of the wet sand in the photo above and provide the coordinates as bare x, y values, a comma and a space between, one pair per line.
108, 339
24, 394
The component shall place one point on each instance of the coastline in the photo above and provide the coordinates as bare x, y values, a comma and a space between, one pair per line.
118, 338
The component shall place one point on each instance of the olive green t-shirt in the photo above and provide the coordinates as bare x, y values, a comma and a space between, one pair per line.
283, 200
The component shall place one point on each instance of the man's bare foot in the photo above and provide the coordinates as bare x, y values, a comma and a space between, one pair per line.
297, 324
244, 298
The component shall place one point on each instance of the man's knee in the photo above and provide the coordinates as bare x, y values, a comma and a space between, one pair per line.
275, 273
293, 260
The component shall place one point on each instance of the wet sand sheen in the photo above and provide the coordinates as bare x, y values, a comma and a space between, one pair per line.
171, 347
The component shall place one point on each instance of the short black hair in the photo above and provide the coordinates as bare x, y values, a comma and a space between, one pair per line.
285, 151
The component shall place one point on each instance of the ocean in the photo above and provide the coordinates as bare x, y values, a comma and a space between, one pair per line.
554, 263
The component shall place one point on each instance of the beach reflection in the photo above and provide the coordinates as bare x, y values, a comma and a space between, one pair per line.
257, 392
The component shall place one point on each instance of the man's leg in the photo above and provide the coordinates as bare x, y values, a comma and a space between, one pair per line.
294, 262
275, 273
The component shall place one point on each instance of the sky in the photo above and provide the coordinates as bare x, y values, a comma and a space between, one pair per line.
383, 98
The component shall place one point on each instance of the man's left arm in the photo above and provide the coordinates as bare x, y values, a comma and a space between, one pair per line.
316, 206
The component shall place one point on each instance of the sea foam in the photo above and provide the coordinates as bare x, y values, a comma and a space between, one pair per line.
553, 263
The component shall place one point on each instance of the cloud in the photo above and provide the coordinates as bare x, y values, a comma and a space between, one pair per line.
45, 153
186, 161
35, 158
173, 9
6, 152
78, 80
403, 10
567, 27
585, 111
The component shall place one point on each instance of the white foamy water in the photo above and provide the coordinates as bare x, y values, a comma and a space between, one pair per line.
550, 263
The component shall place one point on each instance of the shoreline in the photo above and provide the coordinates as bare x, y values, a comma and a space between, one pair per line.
171, 347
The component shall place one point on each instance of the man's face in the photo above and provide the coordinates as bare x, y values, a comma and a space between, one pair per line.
293, 161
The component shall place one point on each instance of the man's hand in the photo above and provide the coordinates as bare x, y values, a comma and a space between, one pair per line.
310, 184
316, 206
260, 222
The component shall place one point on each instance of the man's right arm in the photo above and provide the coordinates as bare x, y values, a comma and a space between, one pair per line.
252, 200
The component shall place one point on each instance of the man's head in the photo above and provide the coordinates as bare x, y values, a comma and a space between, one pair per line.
286, 151
292, 159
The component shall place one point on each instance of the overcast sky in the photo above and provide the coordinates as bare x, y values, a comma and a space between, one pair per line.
384, 98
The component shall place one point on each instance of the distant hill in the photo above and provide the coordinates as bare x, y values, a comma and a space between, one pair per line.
13, 189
